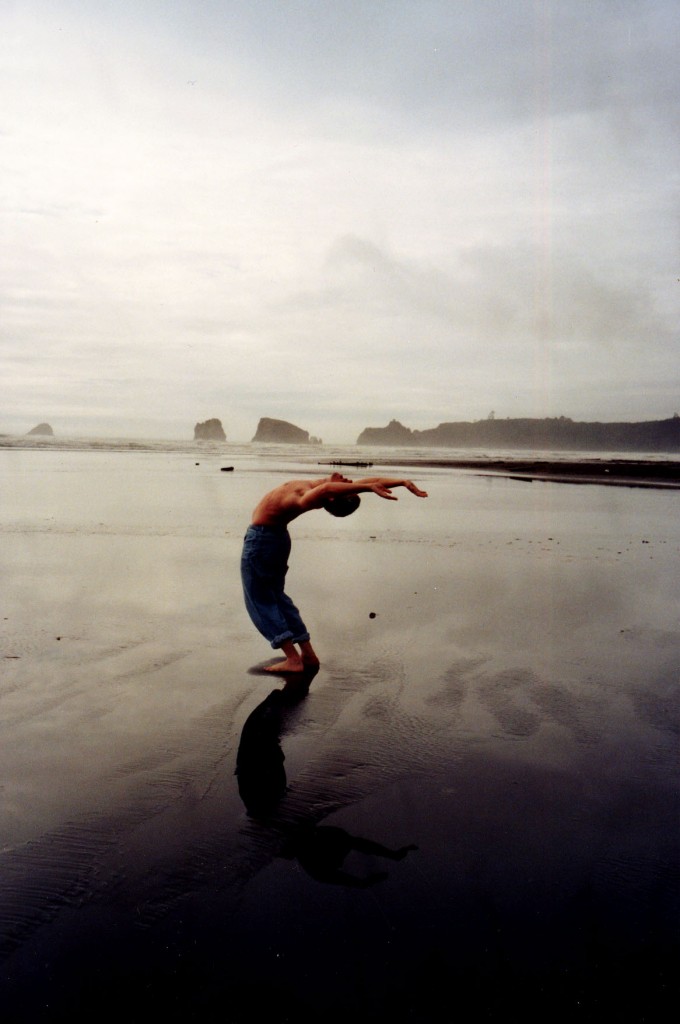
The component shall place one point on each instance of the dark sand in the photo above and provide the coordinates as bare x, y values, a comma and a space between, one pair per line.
499, 688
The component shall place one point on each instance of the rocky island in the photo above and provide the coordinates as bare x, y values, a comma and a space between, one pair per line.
271, 431
42, 428
554, 434
210, 430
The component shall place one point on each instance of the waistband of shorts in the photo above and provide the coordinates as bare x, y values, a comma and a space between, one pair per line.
266, 528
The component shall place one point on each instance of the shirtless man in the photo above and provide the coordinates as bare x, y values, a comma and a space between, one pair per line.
266, 547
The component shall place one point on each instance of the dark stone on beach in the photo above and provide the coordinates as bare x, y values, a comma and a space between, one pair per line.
209, 430
227, 469
42, 428
371, 615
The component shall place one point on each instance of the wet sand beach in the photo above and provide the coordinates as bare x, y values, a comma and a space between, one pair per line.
469, 813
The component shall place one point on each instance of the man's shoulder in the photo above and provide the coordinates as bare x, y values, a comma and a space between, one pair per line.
290, 490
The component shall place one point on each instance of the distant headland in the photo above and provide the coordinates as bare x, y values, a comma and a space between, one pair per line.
270, 431
558, 434
42, 428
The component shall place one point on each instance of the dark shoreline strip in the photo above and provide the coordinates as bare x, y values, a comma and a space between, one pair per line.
612, 472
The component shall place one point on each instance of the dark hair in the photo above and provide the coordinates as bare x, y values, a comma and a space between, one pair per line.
341, 504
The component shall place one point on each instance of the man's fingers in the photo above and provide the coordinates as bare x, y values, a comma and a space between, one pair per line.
384, 492
416, 490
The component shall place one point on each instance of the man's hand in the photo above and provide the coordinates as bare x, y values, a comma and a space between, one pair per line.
410, 486
382, 491
383, 488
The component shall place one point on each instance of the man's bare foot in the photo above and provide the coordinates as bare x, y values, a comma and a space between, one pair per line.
309, 657
289, 665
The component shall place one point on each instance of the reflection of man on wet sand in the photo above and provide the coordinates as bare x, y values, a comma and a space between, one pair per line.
267, 546
322, 849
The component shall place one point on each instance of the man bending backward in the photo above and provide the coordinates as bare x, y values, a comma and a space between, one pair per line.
266, 547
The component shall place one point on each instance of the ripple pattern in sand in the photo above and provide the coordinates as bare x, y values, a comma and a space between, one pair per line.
120, 859
521, 703
82, 860
659, 705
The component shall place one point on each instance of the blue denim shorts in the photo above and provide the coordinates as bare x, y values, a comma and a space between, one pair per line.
264, 564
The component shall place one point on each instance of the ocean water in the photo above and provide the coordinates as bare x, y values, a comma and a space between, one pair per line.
309, 455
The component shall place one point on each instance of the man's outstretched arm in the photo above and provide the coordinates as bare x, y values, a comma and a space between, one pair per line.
382, 486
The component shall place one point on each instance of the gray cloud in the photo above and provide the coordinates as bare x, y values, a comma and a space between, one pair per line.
335, 212
499, 57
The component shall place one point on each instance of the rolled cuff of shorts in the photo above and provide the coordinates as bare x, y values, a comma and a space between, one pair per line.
282, 637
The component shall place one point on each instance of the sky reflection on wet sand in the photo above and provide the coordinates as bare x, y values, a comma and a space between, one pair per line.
499, 687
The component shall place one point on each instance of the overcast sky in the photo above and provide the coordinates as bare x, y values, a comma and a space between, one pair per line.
337, 212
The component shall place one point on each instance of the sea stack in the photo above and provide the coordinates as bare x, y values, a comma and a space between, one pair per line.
271, 431
210, 430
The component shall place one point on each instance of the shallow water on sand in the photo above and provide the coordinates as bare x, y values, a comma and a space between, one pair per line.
499, 686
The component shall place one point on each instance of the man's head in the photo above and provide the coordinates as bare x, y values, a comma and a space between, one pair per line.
341, 504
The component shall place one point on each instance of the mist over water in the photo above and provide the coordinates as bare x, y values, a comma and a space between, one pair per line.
303, 455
